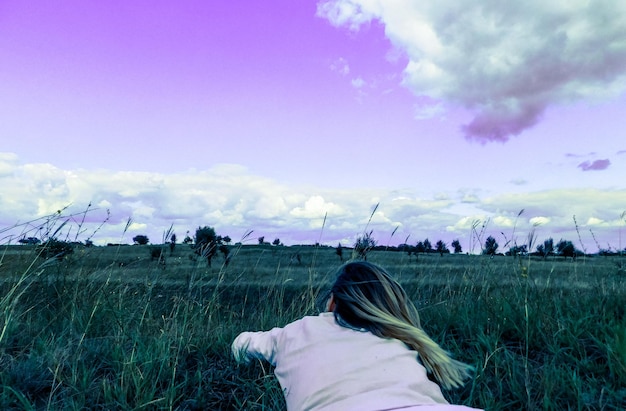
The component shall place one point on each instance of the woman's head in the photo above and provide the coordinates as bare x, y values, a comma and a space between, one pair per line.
365, 296
364, 292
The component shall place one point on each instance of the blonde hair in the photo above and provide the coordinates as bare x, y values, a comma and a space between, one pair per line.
367, 297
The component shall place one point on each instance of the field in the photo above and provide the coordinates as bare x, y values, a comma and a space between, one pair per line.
107, 328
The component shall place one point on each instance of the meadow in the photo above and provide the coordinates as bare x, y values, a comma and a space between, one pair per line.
108, 328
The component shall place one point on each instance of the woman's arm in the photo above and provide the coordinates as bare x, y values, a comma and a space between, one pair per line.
261, 345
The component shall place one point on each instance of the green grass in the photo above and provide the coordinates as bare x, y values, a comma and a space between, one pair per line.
106, 328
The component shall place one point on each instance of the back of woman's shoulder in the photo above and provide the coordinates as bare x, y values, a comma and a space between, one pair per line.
313, 321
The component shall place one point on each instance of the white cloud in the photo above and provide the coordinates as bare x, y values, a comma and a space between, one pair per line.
7, 163
344, 13
470, 198
593, 221
340, 66
539, 221
358, 82
506, 62
8, 157
503, 221
316, 207
136, 227
426, 111
270, 207
234, 201
466, 223
562, 203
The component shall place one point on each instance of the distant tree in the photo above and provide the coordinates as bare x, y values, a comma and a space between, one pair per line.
53, 248
549, 246
540, 250
29, 240
157, 253
276, 241
363, 245
566, 249
546, 249
517, 250
141, 239
339, 252
206, 243
405, 248
88, 243
419, 247
456, 246
261, 240
172, 243
428, 248
607, 252
491, 246
295, 259
223, 248
226, 253
227, 239
441, 248
205, 235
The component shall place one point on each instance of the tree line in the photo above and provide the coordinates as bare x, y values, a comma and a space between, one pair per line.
206, 244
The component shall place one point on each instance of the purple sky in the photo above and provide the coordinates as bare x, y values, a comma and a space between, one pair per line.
267, 116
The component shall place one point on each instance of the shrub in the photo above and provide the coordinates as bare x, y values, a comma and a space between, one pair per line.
363, 245
456, 245
29, 240
491, 246
141, 239
517, 250
157, 253
172, 243
206, 243
441, 248
566, 249
54, 248
419, 247
428, 247
339, 252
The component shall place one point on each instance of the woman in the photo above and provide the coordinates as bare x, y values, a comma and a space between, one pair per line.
368, 352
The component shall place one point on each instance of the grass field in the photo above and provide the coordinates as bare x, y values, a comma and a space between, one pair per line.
107, 328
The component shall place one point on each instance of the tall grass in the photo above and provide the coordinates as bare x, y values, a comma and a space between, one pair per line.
106, 328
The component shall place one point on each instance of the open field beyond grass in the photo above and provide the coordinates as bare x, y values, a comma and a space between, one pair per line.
107, 328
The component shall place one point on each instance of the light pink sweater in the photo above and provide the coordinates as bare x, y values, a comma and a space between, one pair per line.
326, 367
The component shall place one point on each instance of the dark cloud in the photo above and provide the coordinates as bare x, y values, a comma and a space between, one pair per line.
519, 181
500, 124
505, 62
579, 155
595, 165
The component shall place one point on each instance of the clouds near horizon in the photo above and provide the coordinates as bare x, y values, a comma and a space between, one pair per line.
506, 63
234, 201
